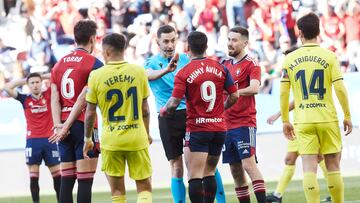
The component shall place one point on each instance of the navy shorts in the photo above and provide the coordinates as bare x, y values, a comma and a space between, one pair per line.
38, 149
240, 143
71, 148
209, 142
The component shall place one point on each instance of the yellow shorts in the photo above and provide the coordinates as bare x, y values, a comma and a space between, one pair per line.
113, 163
315, 138
293, 146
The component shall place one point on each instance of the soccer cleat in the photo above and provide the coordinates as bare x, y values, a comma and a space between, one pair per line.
326, 199
272, 198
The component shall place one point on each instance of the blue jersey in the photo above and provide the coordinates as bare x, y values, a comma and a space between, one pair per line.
162, 88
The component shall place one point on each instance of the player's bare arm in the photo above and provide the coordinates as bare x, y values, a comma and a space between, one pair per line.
231, 100
90, 116
55, 110
146, 118
341, 94
170, 106
10, 87
156, 74
252, 89
277, 115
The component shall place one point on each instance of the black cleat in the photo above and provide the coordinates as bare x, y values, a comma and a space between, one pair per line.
326, 199
272, 198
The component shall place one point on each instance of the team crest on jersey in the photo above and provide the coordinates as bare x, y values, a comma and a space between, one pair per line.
43, 101
238, 71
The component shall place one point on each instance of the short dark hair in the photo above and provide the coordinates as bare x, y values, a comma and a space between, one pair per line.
165, 29
197, 41
83, 31
33, 75
241, 30
115, 41
309, 25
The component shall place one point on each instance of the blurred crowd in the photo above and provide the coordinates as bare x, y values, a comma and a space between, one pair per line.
35, 33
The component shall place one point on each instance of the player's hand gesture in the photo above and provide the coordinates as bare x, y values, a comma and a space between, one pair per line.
60, 132
347, 127
88, 145
288, 130
173, 63
273, 118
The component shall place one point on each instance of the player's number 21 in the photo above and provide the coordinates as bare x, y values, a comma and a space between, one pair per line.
118, 94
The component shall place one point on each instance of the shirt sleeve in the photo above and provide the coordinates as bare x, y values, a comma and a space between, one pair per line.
230, 86
145, 86
255, 73
91, 94
21, 98
179, 86
148, 63
335, 71
285, 73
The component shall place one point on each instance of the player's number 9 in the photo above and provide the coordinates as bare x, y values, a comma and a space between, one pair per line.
67, 85
208, 94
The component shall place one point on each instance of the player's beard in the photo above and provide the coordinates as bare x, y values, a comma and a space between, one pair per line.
169, 53
233, 52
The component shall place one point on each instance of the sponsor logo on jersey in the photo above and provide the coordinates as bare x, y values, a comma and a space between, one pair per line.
312, 105
208, 120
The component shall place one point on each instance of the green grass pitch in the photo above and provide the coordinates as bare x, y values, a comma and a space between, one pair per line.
294, 194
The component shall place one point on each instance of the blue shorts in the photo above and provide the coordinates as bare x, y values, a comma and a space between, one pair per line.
38, 149
240, 143
71, 148
209, 142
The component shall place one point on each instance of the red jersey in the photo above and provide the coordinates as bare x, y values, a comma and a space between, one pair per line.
203, 81
243, 113
38, 114
70, 75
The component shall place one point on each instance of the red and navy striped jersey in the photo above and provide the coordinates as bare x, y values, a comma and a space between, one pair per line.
38, 114
70, 75
203, 81
243, 113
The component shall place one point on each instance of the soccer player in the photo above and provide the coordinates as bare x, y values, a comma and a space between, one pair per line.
311, 71
68, 79
121, 90
203, 82
240, 144
290, 161
37, 111
161, 70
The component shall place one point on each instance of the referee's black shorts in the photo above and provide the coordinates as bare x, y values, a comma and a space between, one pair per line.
172, 133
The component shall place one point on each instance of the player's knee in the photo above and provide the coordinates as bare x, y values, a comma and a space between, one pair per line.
289, 160
177, 168
249, 164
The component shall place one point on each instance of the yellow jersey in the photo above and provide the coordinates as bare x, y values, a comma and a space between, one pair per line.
311, 70
119, 89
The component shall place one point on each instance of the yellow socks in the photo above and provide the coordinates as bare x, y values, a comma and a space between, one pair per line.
336, 186
286, 177
118, 199
311, 188
144, 197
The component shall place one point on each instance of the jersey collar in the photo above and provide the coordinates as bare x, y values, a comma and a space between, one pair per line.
310, 45
115, 62
200, 58
232, 60
81, 49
